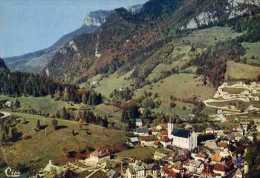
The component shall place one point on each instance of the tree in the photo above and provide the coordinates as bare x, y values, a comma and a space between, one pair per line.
66, 94
84, 98
172, 106
55, 124
105, 122
147, 114
38, 124
13, 133
125, 116
64, 114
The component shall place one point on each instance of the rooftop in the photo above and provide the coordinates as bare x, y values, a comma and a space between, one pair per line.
181, 133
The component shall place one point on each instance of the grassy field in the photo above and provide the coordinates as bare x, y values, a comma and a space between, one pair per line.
181, 56
107, 84
42, 104
180, 109
233, 90
239, 71
139, 153
252, 52
41, 148
211, 36
181, 86
114, 114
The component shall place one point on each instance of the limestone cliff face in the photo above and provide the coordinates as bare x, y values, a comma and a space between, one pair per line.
218, 11
96, 18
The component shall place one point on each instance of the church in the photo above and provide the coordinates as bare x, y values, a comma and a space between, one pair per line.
182, 138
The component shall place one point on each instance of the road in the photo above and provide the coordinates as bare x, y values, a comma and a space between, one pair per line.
5, 115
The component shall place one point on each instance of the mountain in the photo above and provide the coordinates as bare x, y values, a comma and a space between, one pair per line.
2, 65
128, 39
35, 62
96, 18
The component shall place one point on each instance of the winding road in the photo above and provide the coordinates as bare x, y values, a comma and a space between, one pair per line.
4, 115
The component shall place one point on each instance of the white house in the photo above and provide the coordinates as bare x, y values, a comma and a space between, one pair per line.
142, 170
135, 170
141, 131
182, 138
139, 123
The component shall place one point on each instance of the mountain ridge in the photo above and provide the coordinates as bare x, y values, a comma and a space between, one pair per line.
123, 38
34, 62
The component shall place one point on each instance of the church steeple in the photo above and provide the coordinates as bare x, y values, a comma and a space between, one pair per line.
170, 128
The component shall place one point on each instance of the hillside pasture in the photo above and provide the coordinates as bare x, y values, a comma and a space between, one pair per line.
182, 86
239, 71
252, 54
41, 147
107, 84
210, 36
40, 104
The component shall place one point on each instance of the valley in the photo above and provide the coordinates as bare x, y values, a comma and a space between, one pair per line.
166, 89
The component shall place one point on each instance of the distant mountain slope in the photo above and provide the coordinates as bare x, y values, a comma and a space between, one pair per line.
2, 65
35, 62
128, 39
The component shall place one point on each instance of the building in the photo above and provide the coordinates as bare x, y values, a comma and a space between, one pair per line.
142, 131
100, 154
182, 138
52, 170
194, 167
221, 170
139, 123
142, 170
148, 141
238, 174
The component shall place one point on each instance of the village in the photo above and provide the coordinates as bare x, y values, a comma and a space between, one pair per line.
178, 152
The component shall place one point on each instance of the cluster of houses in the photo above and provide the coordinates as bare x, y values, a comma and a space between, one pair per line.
212, 153
179, 153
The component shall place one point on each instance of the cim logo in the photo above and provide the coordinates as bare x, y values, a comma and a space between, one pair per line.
9, 172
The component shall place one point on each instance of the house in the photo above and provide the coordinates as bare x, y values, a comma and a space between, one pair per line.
142, 170
139, 123
210, 130
142, 131
220, 169
112, 174
148, 141
165, 141
135, 171
51, 169
169, 172
177, 167
211, 144
182, 138
152, 170
199, 156
134, 140
194, 167
238, 174
159, 155
100, 154
216, 158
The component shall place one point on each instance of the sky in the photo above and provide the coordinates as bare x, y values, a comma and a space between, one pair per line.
30, 25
